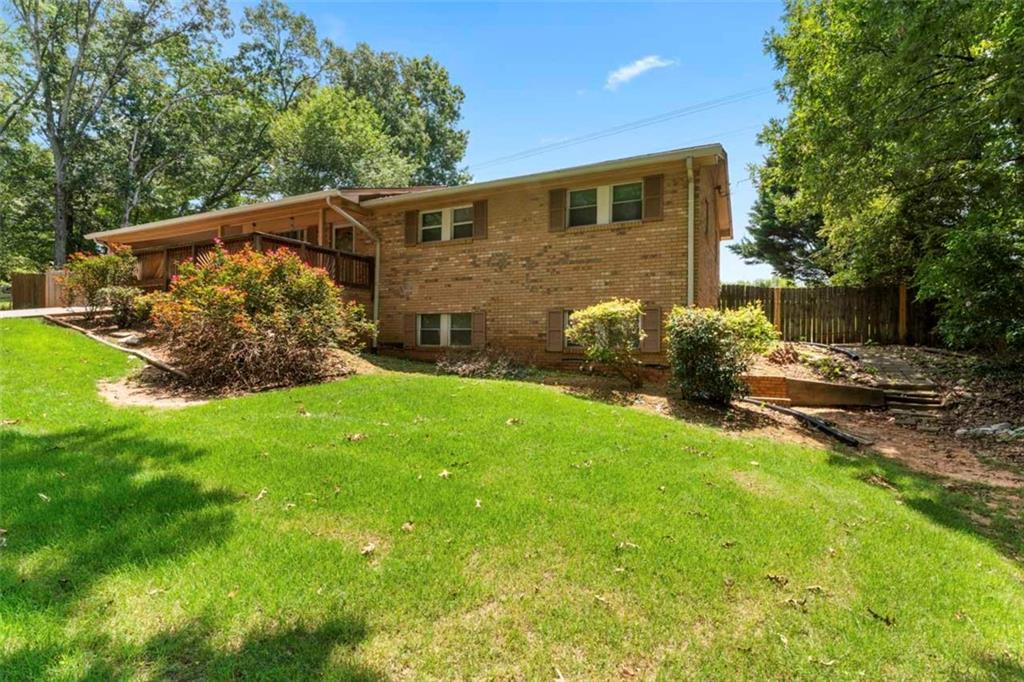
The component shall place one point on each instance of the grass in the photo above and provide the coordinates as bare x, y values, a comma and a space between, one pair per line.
227, 540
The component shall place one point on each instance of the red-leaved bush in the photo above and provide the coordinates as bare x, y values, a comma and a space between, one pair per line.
253, 319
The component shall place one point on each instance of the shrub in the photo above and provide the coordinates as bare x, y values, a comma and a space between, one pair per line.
480, 365
706, 355
253, 319
752, 328
122, 302
610, 335
87, 276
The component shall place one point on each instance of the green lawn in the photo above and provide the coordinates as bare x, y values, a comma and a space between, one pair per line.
596, 542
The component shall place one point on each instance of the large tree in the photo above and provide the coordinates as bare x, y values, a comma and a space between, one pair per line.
782, 232
334, 139
906, 129
77, 52
419, 104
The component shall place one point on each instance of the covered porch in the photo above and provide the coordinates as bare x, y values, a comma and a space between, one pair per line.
158, 264
326, 229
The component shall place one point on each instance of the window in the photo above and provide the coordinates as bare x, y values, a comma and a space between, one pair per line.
431, 226
582, 207
460, 330
606, 204
627, 202
446, 224
462, 222
294, 234
344, 238
430, 330
445, 329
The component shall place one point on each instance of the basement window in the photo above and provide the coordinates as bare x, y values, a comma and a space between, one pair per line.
444, 329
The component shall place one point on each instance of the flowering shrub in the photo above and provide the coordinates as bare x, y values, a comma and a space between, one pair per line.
610, 335
707, 355
88, 276
253, 319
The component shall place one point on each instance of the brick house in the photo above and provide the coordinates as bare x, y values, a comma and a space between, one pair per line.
497, 264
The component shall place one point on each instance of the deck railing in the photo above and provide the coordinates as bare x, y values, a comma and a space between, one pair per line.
157, 265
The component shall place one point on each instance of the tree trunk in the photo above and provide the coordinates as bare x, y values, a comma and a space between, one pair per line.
60, 208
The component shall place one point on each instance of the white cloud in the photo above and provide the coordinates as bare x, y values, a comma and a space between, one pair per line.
626, 73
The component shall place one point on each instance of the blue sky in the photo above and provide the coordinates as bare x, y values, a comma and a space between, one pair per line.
539, 74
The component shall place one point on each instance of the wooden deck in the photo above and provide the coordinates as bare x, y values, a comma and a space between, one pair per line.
157, 265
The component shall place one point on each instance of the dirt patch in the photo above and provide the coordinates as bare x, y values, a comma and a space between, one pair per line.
150, 388
933, 453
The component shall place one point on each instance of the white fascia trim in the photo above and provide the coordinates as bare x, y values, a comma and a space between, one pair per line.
222, 213
614, 165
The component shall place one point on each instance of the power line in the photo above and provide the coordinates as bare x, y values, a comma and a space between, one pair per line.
626, 127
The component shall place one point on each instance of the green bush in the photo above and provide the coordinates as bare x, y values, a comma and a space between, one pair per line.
88, 276
123, 304
252, 319
707, 355
752, 328
610, 336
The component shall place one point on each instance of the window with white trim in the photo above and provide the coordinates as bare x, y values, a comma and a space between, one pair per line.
605, 204
566, 323
444, 329
446, 224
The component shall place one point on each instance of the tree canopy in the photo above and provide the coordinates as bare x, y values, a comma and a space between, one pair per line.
906, 136
116, 112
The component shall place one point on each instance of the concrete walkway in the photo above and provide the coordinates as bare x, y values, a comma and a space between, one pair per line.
39, 312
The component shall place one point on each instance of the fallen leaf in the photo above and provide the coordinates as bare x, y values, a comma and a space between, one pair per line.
624, 545
478, 504
44, 497
445, 474
408, 526
263, 493
233, 593
289, 505
728, 544
753, 463
10, 422
558, 676
778, 580
355, 437
368, 549
155, 590
303, 411
513, 421
817, 589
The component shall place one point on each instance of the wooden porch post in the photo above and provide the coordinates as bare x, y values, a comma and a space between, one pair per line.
167, 268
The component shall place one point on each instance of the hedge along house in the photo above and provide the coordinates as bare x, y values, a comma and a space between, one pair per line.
498, 264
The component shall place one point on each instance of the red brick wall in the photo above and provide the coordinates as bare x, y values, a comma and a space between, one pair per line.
522, 270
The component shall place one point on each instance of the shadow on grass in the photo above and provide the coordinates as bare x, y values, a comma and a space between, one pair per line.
187, 653
962, 507
82, 504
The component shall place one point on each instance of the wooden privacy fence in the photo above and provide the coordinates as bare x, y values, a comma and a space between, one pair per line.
37, 290
838, 314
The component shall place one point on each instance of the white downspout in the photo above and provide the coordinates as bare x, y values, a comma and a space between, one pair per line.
376, 260
689, 232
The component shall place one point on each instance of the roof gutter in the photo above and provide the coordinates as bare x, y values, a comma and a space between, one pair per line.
376, 261
689, 231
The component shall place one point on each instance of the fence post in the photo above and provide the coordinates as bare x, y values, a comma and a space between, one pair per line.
903, 314
777, 308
